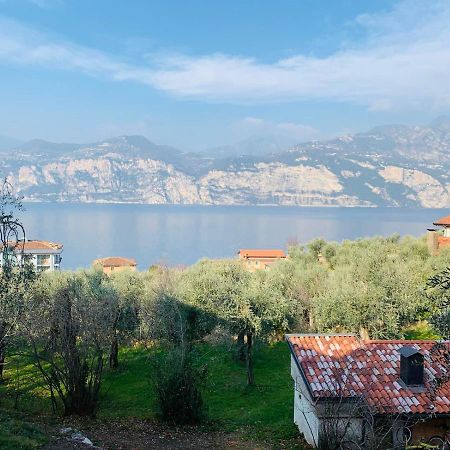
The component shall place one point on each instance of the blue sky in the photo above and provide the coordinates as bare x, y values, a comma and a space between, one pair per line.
201, 73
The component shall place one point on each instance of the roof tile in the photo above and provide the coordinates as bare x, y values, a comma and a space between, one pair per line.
337, 364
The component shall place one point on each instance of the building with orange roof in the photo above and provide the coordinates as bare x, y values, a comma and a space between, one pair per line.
260, 259
438, 239
342, 377
44, 255
115, 264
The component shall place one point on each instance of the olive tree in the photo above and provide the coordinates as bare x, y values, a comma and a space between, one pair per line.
129, 288
69, 323
248, 305
439, 292
372, 289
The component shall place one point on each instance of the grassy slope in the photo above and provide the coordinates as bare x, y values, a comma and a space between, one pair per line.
261, 412
17, 433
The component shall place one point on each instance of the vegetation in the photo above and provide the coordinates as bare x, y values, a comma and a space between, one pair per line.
69, 325
262, 413
205, 343
18, 433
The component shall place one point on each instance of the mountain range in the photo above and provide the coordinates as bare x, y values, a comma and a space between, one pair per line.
391, 165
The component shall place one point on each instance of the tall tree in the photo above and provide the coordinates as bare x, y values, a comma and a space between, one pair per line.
15, 274
69, 323
129, 288
247, 304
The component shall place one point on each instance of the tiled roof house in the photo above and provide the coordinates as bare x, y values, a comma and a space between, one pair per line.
260, 259
391, 378
44, 255
115, 263
437, 240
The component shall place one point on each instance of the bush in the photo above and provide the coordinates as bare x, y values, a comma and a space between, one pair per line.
178, 378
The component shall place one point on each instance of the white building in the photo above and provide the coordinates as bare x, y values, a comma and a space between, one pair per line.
42, 254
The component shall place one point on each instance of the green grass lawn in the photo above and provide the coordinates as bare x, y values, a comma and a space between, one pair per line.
263, 412
17, 433
260, 412
421, 330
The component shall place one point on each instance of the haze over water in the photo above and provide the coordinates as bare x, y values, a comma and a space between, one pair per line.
181, 235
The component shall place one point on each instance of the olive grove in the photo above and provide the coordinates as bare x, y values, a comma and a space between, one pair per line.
73, 324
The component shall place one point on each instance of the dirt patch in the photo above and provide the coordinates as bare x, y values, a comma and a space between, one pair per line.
143, 435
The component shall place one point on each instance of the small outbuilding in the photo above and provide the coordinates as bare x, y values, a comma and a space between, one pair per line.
354, 390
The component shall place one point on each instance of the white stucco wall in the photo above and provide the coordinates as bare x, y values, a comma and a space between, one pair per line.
307, 415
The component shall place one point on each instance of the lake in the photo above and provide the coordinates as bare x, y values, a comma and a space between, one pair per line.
181, 235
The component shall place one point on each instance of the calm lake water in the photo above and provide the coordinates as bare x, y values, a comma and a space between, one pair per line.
183, 234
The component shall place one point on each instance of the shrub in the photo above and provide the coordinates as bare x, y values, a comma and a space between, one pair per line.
178, 378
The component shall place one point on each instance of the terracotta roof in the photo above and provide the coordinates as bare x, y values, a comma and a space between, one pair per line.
115, 261
261, 253
31, 245
345, 366
443, 221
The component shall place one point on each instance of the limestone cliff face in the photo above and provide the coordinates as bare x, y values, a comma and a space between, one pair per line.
274, 184
426, 190
106, 180
370, 169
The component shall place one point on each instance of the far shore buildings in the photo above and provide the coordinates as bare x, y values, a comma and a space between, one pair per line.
260, 259
44, 255
115, 264
438, 239
361, 388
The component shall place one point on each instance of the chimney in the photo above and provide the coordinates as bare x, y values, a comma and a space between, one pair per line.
411, 366
432, 241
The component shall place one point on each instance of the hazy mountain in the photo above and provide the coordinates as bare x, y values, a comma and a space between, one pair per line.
392, 165
252, 146
7, 143
39, 148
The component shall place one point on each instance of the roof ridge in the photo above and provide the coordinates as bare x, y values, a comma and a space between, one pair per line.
412, 341
321, 334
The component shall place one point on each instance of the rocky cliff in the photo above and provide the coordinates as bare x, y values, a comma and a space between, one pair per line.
388, 166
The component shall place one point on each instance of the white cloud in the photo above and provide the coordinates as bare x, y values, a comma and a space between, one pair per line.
403, 60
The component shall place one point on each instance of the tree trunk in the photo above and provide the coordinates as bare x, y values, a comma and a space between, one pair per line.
364, 333
114, 353
2, 349
2, 360
310, 320
249, 360
241, 351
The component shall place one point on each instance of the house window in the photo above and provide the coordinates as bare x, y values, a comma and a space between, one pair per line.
43, 260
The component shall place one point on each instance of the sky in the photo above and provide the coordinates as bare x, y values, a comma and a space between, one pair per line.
198, 74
